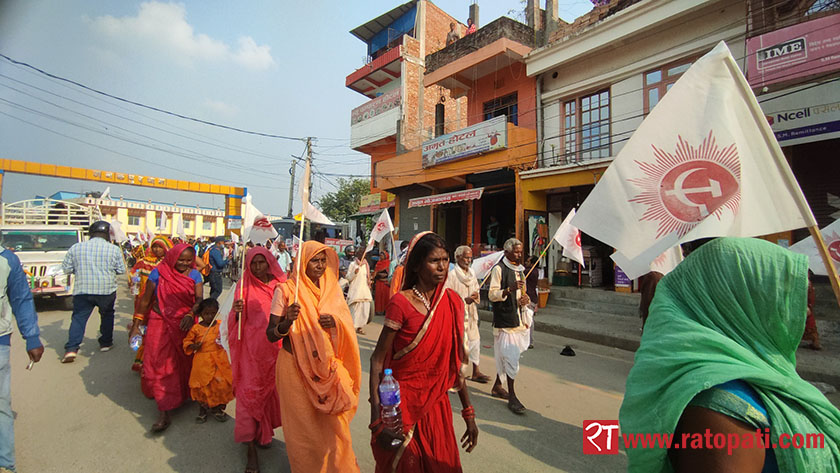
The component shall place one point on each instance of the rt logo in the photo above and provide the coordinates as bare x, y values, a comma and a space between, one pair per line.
600, 437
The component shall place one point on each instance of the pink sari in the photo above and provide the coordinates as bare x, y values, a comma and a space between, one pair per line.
166, 368
253, 357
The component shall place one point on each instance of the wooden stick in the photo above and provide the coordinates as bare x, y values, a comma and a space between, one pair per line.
241, 296
829, 266
538, 260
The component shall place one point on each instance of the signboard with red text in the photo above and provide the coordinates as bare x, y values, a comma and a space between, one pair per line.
489, 135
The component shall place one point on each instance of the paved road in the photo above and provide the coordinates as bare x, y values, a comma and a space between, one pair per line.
91, 416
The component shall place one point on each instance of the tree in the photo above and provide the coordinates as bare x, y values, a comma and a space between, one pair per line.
344, 202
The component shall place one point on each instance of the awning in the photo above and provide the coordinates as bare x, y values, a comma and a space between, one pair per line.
448, 198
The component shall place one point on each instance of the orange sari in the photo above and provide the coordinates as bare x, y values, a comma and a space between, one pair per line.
319, 382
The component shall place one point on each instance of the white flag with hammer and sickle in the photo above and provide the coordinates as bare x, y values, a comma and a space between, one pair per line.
704, 163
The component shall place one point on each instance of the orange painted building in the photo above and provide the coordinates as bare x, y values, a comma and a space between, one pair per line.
465, 128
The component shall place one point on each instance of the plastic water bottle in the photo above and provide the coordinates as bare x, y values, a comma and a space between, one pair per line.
137, 340
135, 286
389, 399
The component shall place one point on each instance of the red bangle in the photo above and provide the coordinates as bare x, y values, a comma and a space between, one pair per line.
468, 413
377, 427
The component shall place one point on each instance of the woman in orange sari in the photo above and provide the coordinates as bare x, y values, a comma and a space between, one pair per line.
252, 357
422, 342
318, 369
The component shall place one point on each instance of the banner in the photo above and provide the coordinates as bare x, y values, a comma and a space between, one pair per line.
490, 135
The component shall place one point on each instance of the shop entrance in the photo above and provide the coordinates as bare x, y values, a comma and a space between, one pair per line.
498, 217
451, 225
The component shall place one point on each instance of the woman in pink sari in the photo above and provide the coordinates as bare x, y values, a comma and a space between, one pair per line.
252, 356
172, 291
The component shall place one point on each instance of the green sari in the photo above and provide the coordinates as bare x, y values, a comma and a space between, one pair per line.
734, 309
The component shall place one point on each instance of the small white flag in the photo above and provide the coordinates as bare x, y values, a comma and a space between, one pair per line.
482, 266
808, 247
314, 215
568, 236
704, 163
117, 233
383, 227
179, 227
255, 225
164, 221
106, 194
234, 238
150, 233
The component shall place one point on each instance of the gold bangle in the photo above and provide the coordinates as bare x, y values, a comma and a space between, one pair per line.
278, 333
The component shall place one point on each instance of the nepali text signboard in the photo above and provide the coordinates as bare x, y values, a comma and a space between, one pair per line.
370, 203
805, 49
810, 112
375, 107
448, 198
490, 135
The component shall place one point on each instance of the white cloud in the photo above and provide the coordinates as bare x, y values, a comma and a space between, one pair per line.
163, 27
218, 107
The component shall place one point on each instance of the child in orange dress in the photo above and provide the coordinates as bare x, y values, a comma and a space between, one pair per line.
211, 379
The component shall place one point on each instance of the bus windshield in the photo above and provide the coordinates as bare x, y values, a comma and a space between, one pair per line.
38, 240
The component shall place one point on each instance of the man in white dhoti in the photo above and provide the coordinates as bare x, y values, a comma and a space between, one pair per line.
510, 321
358, 294
463, 281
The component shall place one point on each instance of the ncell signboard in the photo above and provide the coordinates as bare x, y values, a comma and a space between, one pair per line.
800, 50
489, 135
810, 112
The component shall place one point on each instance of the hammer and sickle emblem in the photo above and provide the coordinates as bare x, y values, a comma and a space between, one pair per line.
681, 193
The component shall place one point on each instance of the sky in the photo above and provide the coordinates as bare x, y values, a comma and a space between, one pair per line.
272, 67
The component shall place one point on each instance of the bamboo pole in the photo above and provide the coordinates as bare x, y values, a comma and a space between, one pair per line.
241, 293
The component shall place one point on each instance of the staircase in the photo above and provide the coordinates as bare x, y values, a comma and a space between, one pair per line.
594, 300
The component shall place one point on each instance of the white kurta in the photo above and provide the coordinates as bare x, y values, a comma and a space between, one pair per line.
358, 295
466, 284
509, 343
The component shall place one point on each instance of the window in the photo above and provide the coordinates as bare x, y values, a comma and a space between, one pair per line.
134, 220
659, 81
585, 129
207, 225
187, 224
506, 105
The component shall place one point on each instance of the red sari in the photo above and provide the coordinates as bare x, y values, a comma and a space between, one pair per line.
426, 359
382, 289
253, 357
166, 368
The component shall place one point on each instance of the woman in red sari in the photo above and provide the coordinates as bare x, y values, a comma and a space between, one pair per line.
422, 342
142, 269
382, 291
173, 290
253, 357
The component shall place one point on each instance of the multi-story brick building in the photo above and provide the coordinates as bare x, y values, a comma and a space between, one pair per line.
464, 130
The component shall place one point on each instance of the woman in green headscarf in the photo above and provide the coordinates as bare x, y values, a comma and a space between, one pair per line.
718, 353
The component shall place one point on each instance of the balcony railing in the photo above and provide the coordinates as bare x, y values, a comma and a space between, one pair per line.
375, 107
374, 65
503, 27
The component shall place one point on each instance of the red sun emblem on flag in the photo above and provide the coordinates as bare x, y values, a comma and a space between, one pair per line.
834, 247
577, 239
380, 226
683, 188
262, 222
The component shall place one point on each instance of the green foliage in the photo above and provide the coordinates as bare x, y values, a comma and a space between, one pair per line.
344, 202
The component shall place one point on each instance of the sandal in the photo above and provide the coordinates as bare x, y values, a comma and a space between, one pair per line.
483, 379
219, 415
159, 427
500, 393
517, 408
201, 417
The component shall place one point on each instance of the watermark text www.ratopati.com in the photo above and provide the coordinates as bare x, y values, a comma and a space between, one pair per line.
602, 437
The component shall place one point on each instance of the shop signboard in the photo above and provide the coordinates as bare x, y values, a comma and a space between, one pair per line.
370, 203
489, 135
804, 49
805, 114
448, 198
621, 279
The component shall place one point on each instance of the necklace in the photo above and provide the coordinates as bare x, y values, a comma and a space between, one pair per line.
422, 298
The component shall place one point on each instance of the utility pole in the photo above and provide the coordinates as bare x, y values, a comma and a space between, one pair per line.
291, 188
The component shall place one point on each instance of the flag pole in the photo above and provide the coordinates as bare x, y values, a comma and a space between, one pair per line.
784, 169
241, 293
540, 258
304, 192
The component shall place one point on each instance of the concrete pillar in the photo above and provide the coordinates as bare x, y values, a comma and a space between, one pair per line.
533, 14
552, 17
474, 14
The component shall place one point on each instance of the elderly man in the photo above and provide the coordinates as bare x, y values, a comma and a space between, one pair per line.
510, 324
358, 295
95, 264
463, 281
284, 259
